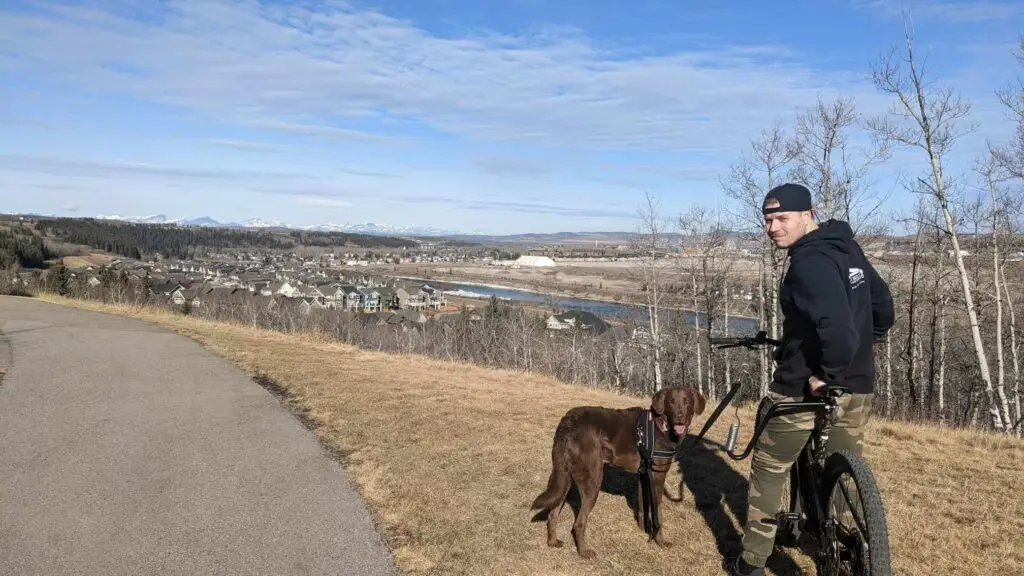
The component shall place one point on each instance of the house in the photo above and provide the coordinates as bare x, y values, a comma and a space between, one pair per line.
577, 320
388, 298
308, 304
352, 299
433, 298
371, 299
282, 288
181, 296
411, 299
313, 292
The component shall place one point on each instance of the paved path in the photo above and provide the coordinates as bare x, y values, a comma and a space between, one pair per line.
127, 449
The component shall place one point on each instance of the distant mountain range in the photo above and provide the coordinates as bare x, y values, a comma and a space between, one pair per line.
371, 228
376, 229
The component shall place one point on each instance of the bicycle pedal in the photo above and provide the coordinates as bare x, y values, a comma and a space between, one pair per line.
791, 517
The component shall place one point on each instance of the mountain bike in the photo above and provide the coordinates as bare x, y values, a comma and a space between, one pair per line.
845, 520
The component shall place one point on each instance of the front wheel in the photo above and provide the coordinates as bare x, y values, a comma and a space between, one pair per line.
856, 533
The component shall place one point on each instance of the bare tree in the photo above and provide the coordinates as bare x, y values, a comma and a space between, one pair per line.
833, 169
929, 121
650, 242
709, 268
1010, 156
757, 172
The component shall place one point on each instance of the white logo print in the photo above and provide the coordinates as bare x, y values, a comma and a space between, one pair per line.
856, 277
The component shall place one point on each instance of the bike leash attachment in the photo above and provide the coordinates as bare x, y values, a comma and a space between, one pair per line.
714, 417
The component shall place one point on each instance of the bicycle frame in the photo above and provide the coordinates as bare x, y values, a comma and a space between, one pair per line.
807, 508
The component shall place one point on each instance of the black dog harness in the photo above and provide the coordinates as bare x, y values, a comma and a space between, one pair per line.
648, 453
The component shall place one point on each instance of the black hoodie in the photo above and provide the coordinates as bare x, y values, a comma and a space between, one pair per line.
835, 305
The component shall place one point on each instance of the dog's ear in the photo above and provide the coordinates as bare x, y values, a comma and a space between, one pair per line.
658, 401
699, 402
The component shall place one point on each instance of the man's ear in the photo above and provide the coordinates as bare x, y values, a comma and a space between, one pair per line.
658, 401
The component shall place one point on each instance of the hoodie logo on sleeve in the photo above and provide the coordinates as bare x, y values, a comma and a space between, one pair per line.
856, 277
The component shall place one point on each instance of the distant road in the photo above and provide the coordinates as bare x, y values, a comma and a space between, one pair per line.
127, 449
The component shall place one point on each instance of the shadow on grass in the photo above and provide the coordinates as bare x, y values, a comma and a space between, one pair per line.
715, 485
615, 482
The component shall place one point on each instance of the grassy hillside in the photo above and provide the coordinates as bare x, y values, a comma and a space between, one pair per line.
449, 457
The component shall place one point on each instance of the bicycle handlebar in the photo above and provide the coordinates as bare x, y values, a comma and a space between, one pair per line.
751, 342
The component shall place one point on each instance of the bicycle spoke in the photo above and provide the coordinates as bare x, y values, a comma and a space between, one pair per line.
846, 495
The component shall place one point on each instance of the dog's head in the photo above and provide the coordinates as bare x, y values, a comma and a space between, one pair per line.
674, 409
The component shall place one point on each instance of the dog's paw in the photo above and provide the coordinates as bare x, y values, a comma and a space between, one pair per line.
588, 554
556, 543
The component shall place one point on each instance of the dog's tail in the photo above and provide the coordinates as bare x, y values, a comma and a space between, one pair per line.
558, 483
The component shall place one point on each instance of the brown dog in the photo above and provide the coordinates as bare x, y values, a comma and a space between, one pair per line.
588, 437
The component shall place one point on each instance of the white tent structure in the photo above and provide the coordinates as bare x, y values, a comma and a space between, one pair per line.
534, 261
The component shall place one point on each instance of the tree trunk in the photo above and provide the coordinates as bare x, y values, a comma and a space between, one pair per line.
761, 319
773, 295
696, 333
728, 371
942, 359
922, 410
1000, 365
1014, 354
908, 348
937, 310
888, 377
998, 413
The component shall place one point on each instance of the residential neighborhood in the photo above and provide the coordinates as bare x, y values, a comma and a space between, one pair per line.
306, 284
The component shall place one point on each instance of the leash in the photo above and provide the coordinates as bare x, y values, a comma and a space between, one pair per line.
645, 445
711, 419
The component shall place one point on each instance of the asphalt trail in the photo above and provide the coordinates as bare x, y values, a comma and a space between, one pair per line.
127, 449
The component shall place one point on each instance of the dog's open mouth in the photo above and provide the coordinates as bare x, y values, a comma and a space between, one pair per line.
679, 429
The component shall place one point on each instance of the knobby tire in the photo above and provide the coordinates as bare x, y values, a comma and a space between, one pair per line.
845, 462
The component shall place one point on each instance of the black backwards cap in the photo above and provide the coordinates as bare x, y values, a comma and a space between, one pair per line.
787, 197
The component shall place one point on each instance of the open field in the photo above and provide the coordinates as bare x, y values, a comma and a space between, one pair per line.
95, 259
449, 456
610, 281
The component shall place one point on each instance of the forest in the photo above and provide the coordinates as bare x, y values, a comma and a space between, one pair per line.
27, 243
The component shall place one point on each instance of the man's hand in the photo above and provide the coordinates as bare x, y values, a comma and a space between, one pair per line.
816, 385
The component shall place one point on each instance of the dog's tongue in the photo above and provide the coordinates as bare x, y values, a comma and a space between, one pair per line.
679, 429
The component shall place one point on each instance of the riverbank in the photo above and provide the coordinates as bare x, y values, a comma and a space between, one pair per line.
548, 303
558, 300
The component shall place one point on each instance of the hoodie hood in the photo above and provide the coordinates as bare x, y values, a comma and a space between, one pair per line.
830, 235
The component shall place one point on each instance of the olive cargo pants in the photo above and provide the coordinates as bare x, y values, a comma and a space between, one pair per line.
776, 451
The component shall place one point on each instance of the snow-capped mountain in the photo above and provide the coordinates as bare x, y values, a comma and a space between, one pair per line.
358, 228
261, 223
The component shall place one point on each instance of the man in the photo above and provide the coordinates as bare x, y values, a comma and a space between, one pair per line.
835, 307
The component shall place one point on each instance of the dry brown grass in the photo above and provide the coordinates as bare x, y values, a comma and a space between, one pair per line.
92, 259
449, 456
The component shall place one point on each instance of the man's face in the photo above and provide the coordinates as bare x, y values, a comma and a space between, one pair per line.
785, 228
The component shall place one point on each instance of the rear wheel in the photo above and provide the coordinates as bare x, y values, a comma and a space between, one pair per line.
856, 533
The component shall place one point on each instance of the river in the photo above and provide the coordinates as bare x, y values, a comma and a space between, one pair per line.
604, 309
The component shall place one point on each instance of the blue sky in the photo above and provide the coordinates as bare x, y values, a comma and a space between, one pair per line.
500, 116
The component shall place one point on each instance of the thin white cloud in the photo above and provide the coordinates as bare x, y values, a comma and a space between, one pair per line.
244, 145
512, 166
951, 11
78, 168
321, 202
331, 65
